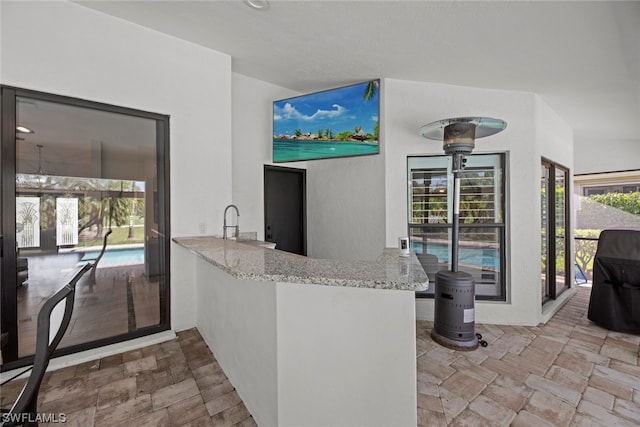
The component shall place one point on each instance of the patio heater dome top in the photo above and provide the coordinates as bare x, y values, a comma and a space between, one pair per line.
485, 126
458, 134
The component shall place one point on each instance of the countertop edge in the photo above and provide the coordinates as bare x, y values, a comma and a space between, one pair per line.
330, 277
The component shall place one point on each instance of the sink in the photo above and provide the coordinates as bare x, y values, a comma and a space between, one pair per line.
251, 238
247, 235
259, 243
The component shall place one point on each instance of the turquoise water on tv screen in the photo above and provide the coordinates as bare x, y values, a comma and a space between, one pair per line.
295, 150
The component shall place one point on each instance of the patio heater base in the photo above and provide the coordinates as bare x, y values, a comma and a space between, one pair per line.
454, 316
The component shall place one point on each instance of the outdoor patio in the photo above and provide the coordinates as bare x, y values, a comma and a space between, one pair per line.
568, 372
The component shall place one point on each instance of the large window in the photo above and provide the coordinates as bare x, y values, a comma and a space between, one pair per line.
482, 226
75, 173
606, 189
604, 200
555, 244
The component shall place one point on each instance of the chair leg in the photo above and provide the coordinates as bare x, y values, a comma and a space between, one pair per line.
32, 410
92, 275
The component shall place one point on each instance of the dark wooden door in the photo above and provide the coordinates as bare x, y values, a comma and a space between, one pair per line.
285, 208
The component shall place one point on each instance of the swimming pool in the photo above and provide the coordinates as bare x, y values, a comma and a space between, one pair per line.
116, 257
488, 258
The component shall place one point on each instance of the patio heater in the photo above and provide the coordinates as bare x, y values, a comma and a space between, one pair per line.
454, 294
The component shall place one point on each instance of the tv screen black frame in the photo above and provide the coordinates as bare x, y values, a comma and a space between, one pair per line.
329, 124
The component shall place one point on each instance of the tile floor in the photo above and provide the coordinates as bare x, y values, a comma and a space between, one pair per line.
122, 300
176, 383
568, 372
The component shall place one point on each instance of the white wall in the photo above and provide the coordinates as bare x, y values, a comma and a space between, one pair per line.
237, 319
83, 53
348, 359
345, 197
345, 204
408, 106
551, 136
67, 49
252, 113
597, 155
358, 205
553, 141
345, 208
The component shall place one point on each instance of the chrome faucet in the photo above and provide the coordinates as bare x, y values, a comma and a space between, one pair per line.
224, 226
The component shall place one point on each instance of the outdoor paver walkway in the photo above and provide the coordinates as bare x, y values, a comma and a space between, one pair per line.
568, 372
176, 383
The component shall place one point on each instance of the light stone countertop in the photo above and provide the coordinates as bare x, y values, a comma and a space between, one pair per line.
249, 260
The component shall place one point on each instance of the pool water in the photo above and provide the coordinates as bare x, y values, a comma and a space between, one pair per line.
488, 258
116, 257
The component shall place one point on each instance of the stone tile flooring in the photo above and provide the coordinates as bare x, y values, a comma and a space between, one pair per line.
568, 372
122, 300
176, 383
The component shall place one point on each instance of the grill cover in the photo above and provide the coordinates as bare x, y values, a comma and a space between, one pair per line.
615, 295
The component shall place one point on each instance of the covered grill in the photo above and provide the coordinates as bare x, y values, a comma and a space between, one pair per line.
615, 295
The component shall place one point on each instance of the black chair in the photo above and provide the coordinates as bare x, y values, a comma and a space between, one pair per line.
24, 410
22, 269
95, 261
615, 293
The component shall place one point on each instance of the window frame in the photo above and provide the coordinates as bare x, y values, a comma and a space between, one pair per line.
501, 163
551, 292
8, 97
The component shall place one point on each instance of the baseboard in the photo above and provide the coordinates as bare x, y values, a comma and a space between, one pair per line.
98, 353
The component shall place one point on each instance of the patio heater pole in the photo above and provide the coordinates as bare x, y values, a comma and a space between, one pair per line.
458, 160
454, 294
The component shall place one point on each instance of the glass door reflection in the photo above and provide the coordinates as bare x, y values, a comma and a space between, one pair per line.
79, 173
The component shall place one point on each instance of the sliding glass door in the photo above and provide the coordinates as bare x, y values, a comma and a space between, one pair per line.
555, 243
79, 177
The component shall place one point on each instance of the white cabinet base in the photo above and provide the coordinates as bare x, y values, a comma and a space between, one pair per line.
312, 355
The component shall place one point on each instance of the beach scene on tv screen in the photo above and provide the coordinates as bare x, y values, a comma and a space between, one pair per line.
334, 123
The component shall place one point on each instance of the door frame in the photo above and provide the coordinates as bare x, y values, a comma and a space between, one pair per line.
303, 175
8, 287
9, 312
551, 247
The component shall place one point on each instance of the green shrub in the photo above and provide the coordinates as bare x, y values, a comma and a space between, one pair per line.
586, 249
628, 202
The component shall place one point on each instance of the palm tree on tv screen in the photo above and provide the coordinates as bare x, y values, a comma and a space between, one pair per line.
371, 90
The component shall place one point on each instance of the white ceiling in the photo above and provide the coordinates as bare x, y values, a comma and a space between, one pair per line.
582, 58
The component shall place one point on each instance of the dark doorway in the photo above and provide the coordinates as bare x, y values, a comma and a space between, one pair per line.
285, 216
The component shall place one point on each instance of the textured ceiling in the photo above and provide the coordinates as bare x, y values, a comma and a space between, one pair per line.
582, 58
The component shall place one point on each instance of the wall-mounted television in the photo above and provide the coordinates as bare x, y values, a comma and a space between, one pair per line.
340, 122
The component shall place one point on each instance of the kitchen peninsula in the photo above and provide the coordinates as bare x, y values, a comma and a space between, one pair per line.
310, 342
